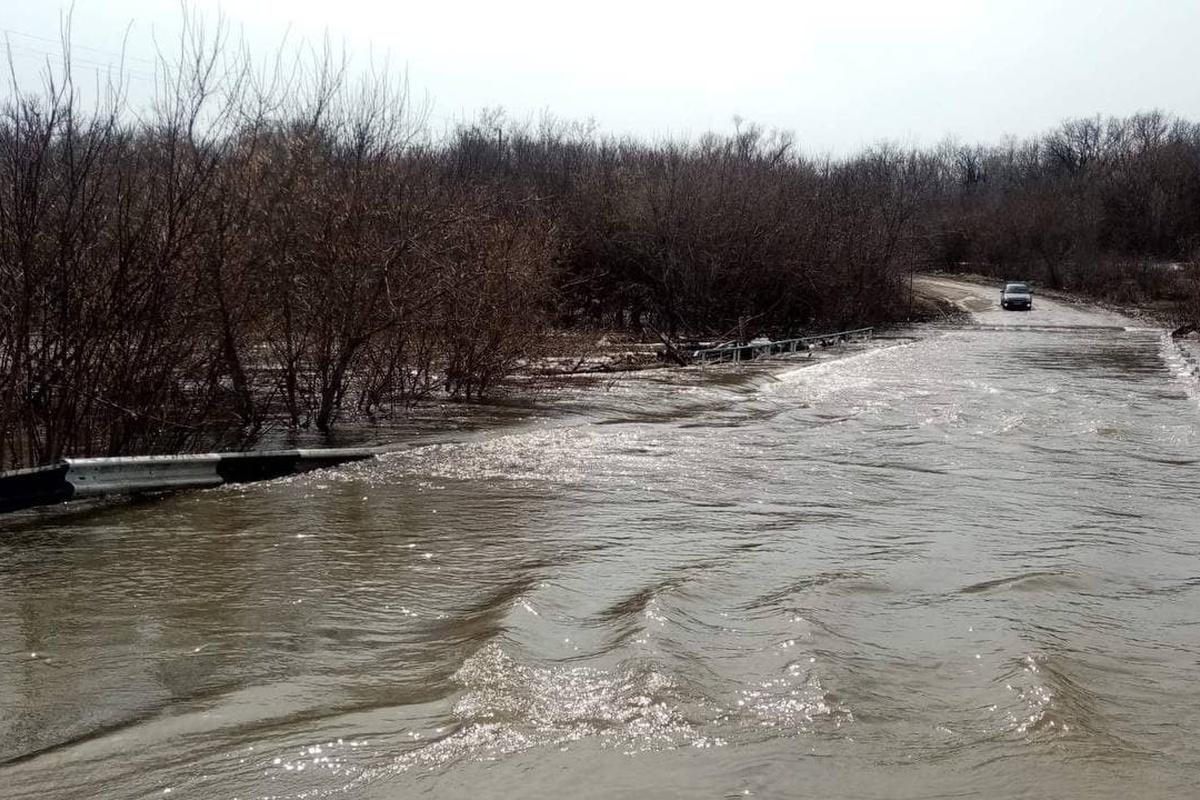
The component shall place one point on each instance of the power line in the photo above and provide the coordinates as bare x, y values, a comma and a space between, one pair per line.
55, 57
74, 46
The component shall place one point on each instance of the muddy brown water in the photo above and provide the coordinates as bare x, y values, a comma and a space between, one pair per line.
962, 566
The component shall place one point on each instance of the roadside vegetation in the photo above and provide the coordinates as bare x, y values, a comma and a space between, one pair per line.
1107, 207
296, 246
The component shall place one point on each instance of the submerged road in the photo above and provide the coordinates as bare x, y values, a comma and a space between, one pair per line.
962, 565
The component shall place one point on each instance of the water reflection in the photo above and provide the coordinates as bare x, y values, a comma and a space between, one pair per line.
959, 565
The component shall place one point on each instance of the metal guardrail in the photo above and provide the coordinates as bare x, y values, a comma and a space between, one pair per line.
744, 352
80, 478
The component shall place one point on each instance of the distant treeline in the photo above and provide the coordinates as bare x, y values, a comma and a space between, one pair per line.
1109, 207
299, 247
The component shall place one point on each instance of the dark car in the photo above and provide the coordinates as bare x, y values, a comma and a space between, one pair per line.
1016, 295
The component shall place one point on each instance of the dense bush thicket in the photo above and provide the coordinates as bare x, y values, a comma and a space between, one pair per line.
693, 238
261, 249
244, 253
1109, 207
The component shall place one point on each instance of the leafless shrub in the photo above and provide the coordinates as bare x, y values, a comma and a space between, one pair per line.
1102, 206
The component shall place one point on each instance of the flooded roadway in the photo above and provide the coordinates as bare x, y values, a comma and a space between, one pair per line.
963, 565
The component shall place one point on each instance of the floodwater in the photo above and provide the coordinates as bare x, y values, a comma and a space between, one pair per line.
961, 565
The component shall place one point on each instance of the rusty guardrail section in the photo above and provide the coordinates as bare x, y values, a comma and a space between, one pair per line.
744, 352
80, 478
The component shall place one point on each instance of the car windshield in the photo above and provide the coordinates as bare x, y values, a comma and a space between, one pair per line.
1017, 287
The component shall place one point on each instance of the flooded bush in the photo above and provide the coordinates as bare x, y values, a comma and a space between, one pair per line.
247, 252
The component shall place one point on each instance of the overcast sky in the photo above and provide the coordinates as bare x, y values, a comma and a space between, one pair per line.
840, 74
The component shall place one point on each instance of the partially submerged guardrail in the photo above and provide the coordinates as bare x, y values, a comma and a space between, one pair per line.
80, 478
744, 352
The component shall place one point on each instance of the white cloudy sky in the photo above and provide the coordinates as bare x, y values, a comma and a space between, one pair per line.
840, 74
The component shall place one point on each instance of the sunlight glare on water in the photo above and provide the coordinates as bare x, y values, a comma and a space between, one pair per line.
964, 564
